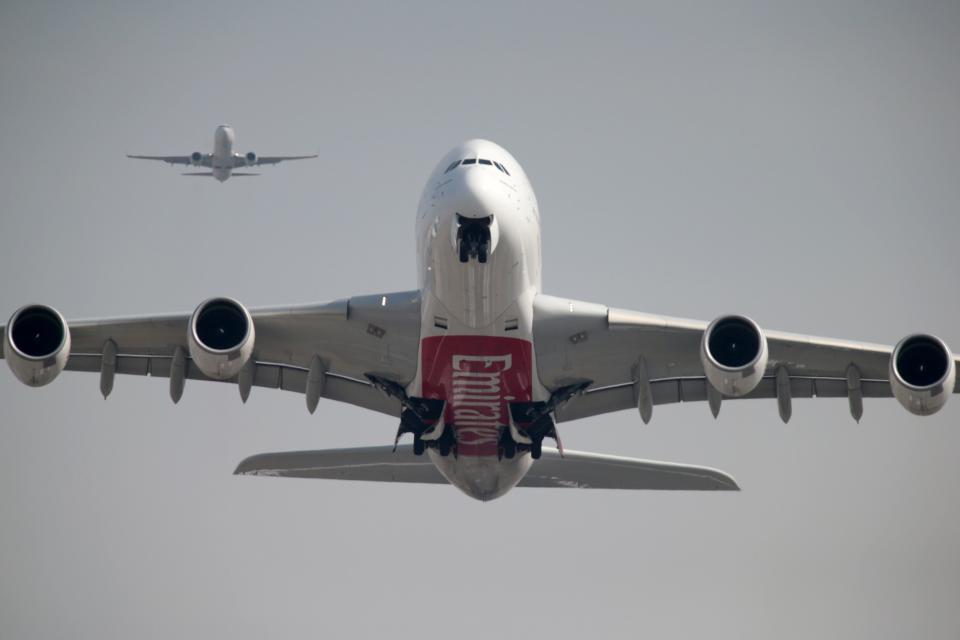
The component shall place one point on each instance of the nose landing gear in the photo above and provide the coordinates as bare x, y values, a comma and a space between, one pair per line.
473, 238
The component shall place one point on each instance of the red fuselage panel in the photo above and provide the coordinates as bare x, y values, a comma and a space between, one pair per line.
477, 376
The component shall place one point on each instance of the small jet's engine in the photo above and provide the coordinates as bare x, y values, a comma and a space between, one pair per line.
220, 337
734, 355
195, 158
36, 344
251, 158
922, 373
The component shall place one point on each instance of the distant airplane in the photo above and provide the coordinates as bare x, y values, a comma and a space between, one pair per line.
476, 363
223, 160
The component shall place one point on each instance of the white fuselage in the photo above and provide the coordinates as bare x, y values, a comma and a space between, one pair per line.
221, 161
476, 350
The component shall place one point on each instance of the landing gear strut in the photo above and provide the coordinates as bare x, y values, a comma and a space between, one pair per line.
423, 417
533, 422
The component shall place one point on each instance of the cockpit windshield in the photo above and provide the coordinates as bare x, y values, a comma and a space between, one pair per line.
489, 163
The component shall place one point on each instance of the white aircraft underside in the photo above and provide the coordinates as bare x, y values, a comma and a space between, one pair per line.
223, 161
477, 364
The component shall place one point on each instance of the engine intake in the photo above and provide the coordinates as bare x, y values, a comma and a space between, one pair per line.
250, 158
734, 354
220, 337
195, 158
922, 373
36, 344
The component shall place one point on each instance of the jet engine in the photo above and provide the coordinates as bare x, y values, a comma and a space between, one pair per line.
195, 158
734, 354
220, 337
922, 373
36, 344
251, 158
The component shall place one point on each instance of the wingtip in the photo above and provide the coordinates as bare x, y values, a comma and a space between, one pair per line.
726, 482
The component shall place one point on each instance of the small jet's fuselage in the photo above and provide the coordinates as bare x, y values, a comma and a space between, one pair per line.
221, 163
478, 252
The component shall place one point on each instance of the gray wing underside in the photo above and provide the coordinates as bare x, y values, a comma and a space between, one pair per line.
577, 341
354, 336
174, 160
574, 470
240, 161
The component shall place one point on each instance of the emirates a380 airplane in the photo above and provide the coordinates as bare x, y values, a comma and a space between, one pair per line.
477, 364
223, 160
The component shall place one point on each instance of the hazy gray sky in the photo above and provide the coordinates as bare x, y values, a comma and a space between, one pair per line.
798, 164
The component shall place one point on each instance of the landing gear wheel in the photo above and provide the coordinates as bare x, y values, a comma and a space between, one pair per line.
509, 448
444, 446
464, 252
536, 449
418, 446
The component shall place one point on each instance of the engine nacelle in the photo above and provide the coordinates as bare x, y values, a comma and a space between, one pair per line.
220, 337
195, 158
734, 354
250, 158
922, 373
36, 344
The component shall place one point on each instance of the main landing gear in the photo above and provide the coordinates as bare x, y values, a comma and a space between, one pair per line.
529, 422
423, 417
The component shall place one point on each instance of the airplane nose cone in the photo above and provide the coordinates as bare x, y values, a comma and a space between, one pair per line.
479, 193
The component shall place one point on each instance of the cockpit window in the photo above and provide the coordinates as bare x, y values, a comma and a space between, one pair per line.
493, 163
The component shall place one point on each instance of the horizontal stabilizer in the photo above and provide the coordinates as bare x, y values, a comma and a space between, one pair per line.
574, 470
374, 464
580, 470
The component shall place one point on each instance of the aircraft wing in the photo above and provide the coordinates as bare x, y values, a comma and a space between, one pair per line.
240, 161
352, 337
174, 160
572, 470
580, 341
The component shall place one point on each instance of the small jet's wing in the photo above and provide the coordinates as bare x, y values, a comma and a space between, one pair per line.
199, 174
352, 337
574, 470
241, 161
185, 160
578, 341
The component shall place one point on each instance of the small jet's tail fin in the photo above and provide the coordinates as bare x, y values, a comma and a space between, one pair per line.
575, 470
